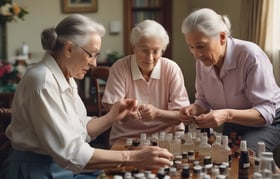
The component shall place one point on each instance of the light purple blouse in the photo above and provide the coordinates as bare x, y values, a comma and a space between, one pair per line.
246, 81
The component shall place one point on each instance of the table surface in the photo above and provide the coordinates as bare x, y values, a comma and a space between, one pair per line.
120, 145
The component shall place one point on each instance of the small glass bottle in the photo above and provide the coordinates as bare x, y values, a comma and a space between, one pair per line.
160, 173
102, 175
175, 147
191, 156
128, 175
244, 163
154, 139
129, 144
139, 175
216, 147
163, 143
204, 148
257, 175
267, 164
225, 151
151, 176
260, 149
117, 177
197, 171
188, 145
185, 174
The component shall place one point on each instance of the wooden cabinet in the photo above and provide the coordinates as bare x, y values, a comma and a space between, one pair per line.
136, 11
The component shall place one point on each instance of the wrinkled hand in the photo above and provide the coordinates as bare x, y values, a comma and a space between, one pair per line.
187, 114
212, 119
151, 157
122, 108
147, 112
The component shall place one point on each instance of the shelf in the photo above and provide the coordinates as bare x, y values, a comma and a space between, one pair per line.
136, 11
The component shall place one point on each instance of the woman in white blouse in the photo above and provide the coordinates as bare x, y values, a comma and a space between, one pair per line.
50, 130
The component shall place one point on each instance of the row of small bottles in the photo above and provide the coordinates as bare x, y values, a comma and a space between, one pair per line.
192, 145
186, 172
264, 165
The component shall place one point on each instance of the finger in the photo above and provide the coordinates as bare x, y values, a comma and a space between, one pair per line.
141, 107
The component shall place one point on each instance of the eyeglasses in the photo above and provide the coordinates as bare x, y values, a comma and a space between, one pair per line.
91, 55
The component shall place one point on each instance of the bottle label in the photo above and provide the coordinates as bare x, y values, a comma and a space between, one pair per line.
246, 165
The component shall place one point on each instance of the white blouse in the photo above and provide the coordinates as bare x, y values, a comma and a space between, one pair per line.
49, 117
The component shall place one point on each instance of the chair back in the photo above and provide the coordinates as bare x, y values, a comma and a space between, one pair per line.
100, 75
5, 145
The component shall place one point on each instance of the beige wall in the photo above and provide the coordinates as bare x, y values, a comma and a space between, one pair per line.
45, 13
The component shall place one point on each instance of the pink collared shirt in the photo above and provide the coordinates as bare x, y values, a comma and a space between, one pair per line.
165, 90
245, 81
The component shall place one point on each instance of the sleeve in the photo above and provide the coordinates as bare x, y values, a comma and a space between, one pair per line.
116, 84
178, 93
262, 89
59, 135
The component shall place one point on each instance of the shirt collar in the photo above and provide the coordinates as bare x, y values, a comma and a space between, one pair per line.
57, 73
136, 73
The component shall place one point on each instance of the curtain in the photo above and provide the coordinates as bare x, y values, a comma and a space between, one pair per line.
259, 25
271, 36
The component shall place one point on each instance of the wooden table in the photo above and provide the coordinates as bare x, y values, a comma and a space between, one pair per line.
120, 145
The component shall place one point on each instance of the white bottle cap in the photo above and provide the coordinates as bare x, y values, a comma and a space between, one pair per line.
225, 140
218, 139
143, 136
243, 145
118, 177
260, 149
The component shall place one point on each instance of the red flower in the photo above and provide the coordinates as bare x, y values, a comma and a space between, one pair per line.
5, 68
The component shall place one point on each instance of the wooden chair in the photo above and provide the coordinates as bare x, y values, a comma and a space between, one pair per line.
99, 78
91, 89
5, 145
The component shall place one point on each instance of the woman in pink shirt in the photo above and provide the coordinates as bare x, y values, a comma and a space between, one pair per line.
156, 82
235, 85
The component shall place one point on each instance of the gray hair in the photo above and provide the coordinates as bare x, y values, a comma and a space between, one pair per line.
149, 29
208, 22
75, 28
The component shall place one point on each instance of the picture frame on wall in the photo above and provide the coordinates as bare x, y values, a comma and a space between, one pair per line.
79, 6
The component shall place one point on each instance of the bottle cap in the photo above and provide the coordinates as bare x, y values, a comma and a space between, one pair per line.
260, 149
243, 145
267, 155
218, 138
118, 177
225, 140
143, 136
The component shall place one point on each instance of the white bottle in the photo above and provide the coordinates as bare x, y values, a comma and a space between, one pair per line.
216, 147
175, 147
24, 49
225, 151
204, 148
260, 149
188, 145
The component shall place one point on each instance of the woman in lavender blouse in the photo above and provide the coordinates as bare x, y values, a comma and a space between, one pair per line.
235, 85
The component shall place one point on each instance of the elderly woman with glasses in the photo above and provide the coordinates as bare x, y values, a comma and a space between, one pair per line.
50, 129
155, 81
235, 85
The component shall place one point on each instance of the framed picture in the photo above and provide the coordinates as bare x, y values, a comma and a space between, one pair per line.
79, 6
